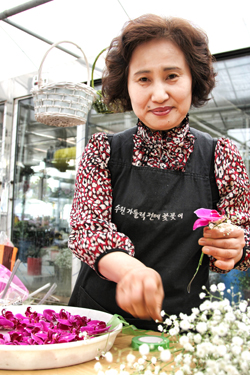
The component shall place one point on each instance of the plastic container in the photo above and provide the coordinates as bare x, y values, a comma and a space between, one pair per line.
17, 290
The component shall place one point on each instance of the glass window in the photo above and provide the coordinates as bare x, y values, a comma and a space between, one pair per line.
2, 200
110, 123
227, 114
43, 194
1, 130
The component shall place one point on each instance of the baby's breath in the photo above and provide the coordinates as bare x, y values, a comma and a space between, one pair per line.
221, 342
213, 339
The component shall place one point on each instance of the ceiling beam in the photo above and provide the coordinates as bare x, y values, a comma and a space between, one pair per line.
21, 8
40, 37
47, 41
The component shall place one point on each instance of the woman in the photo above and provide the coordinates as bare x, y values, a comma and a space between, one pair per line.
136, 192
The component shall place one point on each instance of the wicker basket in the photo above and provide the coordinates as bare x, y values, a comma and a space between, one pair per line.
63, 104
98, 104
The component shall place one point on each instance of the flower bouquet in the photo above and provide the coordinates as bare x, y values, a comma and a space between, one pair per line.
213, 219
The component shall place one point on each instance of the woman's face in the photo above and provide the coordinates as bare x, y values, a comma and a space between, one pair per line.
159, 84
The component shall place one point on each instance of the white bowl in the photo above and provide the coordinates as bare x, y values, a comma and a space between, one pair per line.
34, 357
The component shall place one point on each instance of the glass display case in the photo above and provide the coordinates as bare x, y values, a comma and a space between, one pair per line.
45, 167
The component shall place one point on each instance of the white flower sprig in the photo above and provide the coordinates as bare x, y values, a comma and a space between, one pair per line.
213, 339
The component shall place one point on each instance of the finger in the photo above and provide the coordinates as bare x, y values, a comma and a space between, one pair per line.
131, 299
138, 301
225, 258
221, 243
216, 232
225, 265
122, 299
220, 253
153, 299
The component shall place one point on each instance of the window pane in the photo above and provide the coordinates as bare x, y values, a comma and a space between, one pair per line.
43, 194
227, 114
1, 131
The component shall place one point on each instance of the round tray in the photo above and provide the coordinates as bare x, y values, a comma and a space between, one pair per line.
34, 357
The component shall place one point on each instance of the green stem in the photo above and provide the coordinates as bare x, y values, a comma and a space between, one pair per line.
197, 269
93, 66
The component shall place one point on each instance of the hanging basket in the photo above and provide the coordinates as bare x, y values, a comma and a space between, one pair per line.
63, 104
98, 104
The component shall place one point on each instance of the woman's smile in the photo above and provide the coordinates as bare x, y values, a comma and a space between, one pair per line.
161, 111
159, 84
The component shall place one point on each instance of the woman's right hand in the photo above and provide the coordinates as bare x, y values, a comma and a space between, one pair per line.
140, 293
139, 288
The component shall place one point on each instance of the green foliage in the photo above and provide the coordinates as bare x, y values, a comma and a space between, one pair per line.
35, 252
23, 230
244, 280
64, 259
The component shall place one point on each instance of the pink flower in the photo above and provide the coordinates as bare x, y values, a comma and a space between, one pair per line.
206, 216
50, 327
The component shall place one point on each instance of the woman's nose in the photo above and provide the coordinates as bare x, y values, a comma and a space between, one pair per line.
160, 92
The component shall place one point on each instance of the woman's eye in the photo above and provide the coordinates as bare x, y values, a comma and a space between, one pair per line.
143, 79
172, 76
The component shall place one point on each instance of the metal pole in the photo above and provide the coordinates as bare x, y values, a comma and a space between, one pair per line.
22, 8
247, 148
40, 37
46, 41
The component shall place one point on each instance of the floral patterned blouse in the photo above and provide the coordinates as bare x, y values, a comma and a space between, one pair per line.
93, 234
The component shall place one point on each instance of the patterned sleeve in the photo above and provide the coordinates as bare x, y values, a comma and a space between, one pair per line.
233, 185
93, 233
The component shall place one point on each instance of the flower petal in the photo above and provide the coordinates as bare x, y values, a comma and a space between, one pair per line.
50, 327
200, 223
207, 213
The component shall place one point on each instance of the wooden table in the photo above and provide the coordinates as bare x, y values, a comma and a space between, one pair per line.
122, 342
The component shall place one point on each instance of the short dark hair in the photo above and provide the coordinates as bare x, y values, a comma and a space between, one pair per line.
190, 39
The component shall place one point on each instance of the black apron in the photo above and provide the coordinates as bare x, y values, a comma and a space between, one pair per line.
155, 209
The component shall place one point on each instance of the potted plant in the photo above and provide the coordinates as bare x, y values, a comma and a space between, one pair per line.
63, 267
23, 233
64, 259
34, 260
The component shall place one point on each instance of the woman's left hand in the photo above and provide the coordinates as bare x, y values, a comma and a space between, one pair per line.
225, 246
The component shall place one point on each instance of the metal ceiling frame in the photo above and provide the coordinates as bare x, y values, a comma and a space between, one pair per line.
21, 8
40, 37
26, 6
34, 3
29, 5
